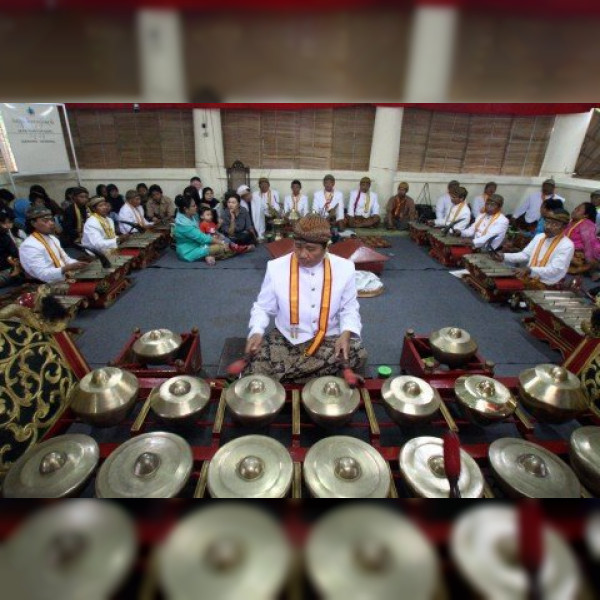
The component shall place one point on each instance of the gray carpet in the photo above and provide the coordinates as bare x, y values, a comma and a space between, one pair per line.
420, 294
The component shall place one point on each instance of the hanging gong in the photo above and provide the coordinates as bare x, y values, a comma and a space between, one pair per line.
552, 393
484, 546
71, 550
255, 399
180, 398
157, 346
153, 465
345, 467
330, 401
370, 552
253, 466
584, 452
527, 470
230, 550
484, 399
55, 468
452, 346
422, 464
409, 399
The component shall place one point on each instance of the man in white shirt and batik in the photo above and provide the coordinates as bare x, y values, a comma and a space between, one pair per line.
458, 217
478, 206
131, 215
272, 208
99, 229
329, 203
491, 226
444, 203
363, 206
312, 296
296, 202
548, 255
528, 213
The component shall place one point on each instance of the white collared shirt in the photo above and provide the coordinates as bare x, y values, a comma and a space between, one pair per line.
257, 212
265, 200
498, 228
274, 300
128, 213
531, 206
302, 207
362, 201
38, 264
557, 266
337, 202
94, 236
443, 207
463, 215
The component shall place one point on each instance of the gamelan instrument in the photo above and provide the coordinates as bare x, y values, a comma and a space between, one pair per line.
452, 346
584, 454
56, 468
345, 467
448, 250
252, 466
104, 397
493, 280
484, 546
419, 233
152, 465
255, 400
70, 550
483, 399
409, 400
144, 248
370, 552
330, 401
230, 550
180, 399
157, 346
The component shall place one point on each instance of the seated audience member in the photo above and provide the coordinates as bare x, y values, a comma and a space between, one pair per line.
595, 200
68, 199
444, 203
10, 271
209, 227
400, 209
131, 214
478, 207
74, 217
528, 213
208, 199
115, 199
159, 207
37, 193
99, 230
142, 190
237, 225
491, 225
190, 242
296, 201
41, 254
196, 183
329, 203
459, 214
582, 232
548, 255
101, 190
363, 206
6, 200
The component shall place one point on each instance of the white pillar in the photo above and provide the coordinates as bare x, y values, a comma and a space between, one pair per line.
385, 149
162, 66
208, 143
565, 144
431, 54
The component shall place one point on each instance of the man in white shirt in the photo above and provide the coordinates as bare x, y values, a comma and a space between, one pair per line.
296, 200
478, 207
312, 296
491, 225
256, 209
528, 213
459, 215
363, 206
132, 213
99, 229
548, 255
329, 202
269, 200
41, 254
444, 203
595, 200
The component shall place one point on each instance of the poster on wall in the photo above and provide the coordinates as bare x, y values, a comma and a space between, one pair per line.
35, 136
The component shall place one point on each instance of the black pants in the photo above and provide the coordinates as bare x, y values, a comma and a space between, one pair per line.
242, 237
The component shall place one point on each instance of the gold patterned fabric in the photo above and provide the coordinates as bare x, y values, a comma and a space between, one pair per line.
35, 381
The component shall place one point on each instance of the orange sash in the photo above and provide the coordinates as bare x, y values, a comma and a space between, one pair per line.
328, 200
454, 213
295, 302
56, 261
478, 223
109, 232
535, 260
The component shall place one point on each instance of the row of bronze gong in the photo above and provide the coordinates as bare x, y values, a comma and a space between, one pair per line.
160, 464
88, 549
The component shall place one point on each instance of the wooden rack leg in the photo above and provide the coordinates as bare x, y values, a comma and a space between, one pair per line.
487, 491
393, 491
373, 424
297, 481
524, 419
220, 417
585, 493
295, 413
452, 426
149, 586
139, 420
201, 485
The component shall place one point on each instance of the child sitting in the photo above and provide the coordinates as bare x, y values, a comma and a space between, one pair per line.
209, 227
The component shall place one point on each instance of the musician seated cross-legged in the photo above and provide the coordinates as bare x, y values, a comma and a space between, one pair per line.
363, 206
548, 255
313, 297
296, 203
329, 203
74, 217
400, 209
528, 213
459, 216
444, 203
491, 226
131, 215
582, 232
99, 230
41, 255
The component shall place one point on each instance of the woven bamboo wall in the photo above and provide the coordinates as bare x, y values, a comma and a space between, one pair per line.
436, 142
588, 163
324, 139
122, 139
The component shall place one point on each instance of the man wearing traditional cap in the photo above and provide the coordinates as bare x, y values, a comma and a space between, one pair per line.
595, 200
312, 296
99, 230
459, 214
401, 209
444, 203
271, 208
254, 208
74, 217
132, 212
528, 213
491, 225
329, 202
41, 254
548, 255
363, 206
